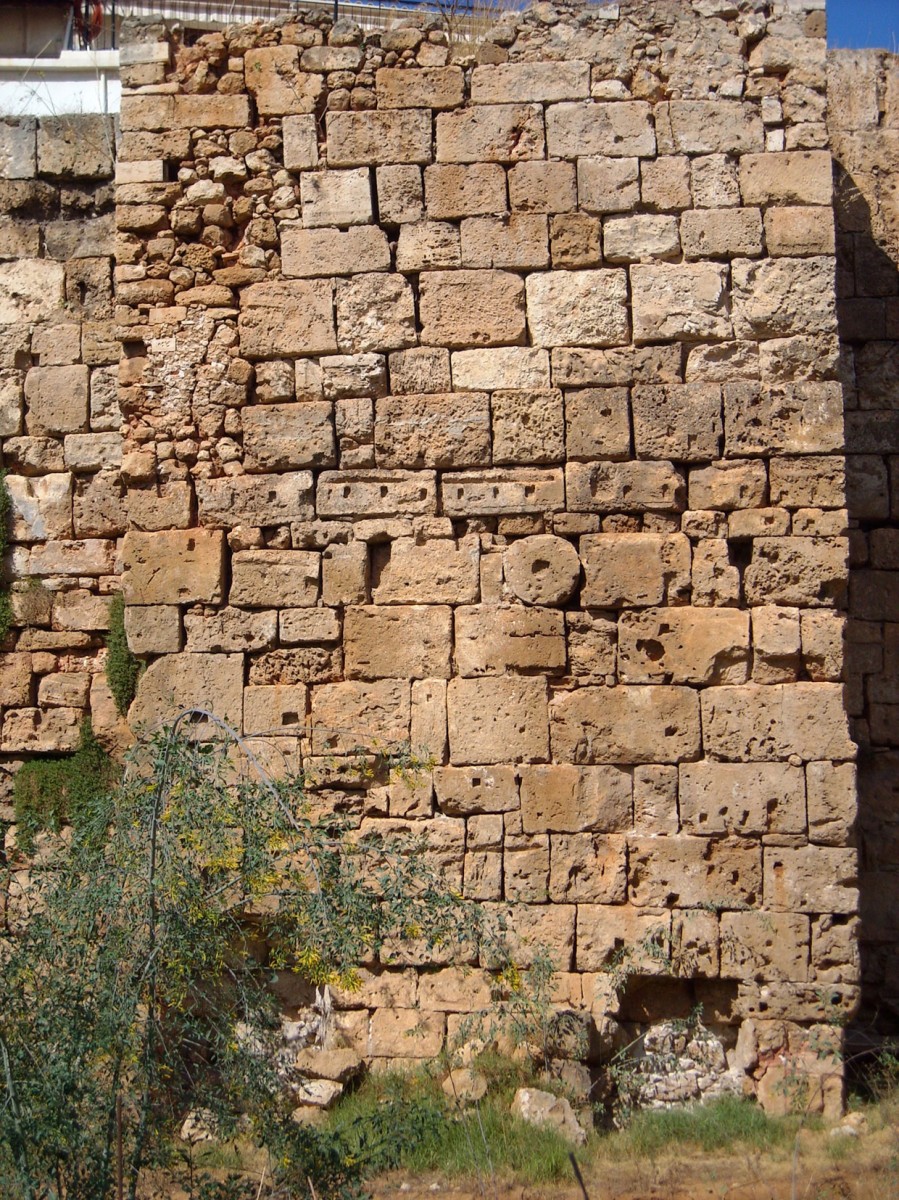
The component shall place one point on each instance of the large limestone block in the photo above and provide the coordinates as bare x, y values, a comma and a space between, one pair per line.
636, 238
255, 500
597, 423
15, 679
307, 253
17, 148
350, 715
495, 641
757, 723
79, 146
279, 437
625, 570
336, 197
470, 791
798, 570
274, 709
494, 133
41, 509
811, 879
503, 492
604, 931
405, 1033
284, 320
84, 556
683, 872
300, 142
501, 367
798, 418
278, 86
677, 421
153, 628
179, 566
625, 725
538, 82
375, 312
376, 493
449, 429
721, 233
275, 578
30, 290
683, 645
429, 87
471, 308
440, 571
57, 399
353, 375
454, 190
178, 681
33, 731
798, 232
562, 798
542, 569
229, 630
618, 130
572, 308
497, 720
587, 868
741, 798
728, 485
686, 302
764, 946
782, 297
155, 112
408, 641
518, 242
374, 138
428, 246
832, 802
791, 177
709, 127
528, 426
607, 185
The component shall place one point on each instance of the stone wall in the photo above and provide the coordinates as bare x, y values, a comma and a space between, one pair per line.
489, 397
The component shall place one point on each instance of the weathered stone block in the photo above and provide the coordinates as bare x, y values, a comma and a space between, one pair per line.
405, 1033
175, 112
171, 684
665, 183
542, 569
727, 485
453, 191
597, 424
306, 253
683, 645
541, 82
493, 720
625, 725
403, 640
336, 197
375, 312
494, 133
518, 242
815, 879
495, 641
278, 86
799, 232
566, 799
465, 791
501, 367
781, 297
635, 238
798, 418
449, 429
471, 308
764, 946
153, 628
400, 194
721, 233
375, 493
571, 308
832, 802
683, 872
709, 127
684, 302
528, 427
15, 680
794, 177
274, 709
174, 567
742, 798
758, 723
255, 500
274, 578
542, 187
496, 493
428, 245
57, 399
677, 421
605, 931
374, 138
18, 148
439, 571
607, 185
616, 130
429, 87
229, 630
280, 437
798, 570
348, 715
41, 509
345, 574
283, 320
634, 569
29, 730
300, 142
586, 868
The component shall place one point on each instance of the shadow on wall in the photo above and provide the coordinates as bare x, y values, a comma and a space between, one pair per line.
868, 320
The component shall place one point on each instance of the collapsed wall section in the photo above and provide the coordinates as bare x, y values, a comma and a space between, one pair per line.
488, 397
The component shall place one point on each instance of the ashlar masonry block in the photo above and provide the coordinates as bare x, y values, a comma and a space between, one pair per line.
741, 798
407, 641
439, 571
562, 798
275, 578
570, 308
471, 308
448, 429
492, 133
757, 723
683, 645
498, 640
619, 130
497, 719
625, 725
180, 566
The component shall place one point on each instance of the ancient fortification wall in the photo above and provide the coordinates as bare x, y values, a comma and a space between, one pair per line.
490, 397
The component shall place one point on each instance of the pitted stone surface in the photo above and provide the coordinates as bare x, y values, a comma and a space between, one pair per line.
542, 569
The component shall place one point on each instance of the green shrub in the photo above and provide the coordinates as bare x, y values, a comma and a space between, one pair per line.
50, 791
122, 667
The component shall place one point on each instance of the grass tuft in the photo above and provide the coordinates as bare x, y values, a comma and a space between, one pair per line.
718, 1125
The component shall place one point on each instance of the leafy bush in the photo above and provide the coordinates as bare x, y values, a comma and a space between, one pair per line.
122, 667
142, 958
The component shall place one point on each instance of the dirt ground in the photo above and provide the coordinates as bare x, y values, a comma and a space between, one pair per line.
865, 1169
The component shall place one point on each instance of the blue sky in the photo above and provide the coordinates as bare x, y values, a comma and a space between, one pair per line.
858, 23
